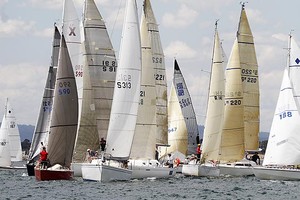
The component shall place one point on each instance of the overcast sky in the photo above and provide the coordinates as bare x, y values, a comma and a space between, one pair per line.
186, 27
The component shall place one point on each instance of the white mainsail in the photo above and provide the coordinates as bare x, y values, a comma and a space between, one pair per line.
14, 139
64, 116
127, 88
42, 127
183, 128
249, 72
215, 107
232, 136
99, 74
5, 160
144, 142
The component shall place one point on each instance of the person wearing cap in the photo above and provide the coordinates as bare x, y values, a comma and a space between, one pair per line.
198, 151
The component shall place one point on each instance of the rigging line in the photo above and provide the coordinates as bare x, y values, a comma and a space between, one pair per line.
114, 25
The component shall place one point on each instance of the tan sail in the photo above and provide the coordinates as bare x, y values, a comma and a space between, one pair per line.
249, 70
232, 138
215, 107
99, 74
64, 117
144, 142
158, 62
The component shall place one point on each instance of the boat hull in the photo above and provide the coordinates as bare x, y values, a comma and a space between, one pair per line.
236, 170
200, 170
76, 167
266, 173
30, 169
52, 174
104, 173
150, 169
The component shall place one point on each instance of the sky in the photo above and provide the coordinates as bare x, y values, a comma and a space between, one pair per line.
186, 30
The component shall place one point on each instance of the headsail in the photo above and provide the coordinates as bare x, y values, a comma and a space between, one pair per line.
183, 128
232, 137
127, 88
64, 117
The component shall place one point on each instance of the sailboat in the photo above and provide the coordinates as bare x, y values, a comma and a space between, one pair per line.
42, 128
214, 117
123, 117
63, 123
143, 161
282, 157
99, 72
10, 149
183, 135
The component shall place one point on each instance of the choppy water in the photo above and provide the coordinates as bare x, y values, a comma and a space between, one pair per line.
14, 185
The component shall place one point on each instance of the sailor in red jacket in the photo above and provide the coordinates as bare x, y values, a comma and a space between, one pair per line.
43, 158
198, 152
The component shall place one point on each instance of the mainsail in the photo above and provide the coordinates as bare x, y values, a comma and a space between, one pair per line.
215, 107
144, 142
183, 128
5, 159
127, 88
99, 74
64, 117
158, 62
232, 136
42, 127
249, 72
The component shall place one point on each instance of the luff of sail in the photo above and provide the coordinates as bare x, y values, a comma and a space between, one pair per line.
294, 69
98, 82
42, 127
249, 71
232, 137
5, 159
64, 117
183, 128
144, 142
127, 88
284, 140
13, 133
215, 106
158, 62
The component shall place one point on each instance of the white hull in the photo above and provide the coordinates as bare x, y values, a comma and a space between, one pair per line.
284, 174
76, 167
104, 173
200, 170
150, 169
236, 170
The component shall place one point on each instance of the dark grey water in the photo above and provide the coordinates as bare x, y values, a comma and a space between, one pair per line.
15, 186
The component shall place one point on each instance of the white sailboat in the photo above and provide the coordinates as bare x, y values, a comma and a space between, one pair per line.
143, 162
183, 133
214, 117
42, 128
282, 157
14, 139
63, 123
99, 72
124, 106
